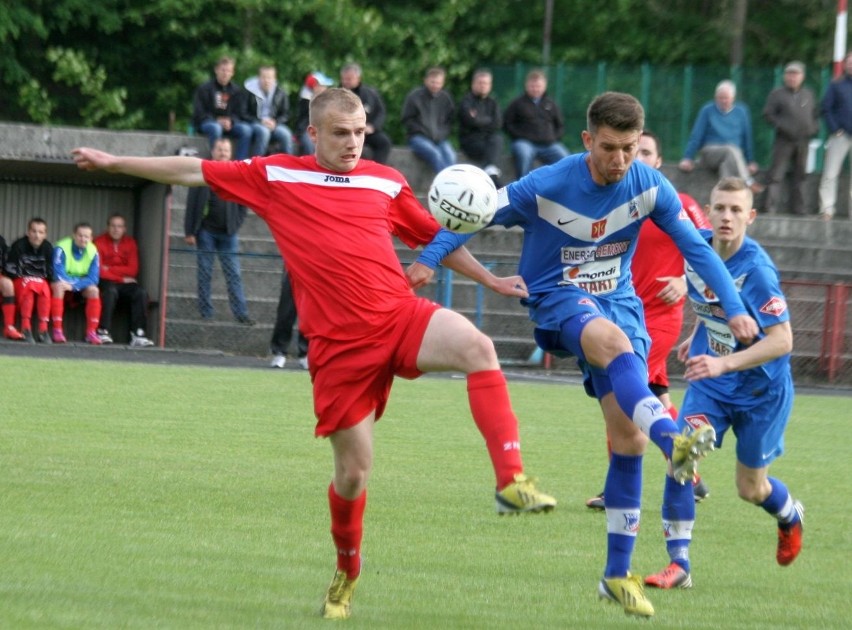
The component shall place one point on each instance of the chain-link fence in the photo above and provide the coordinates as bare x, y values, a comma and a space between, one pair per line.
820, 316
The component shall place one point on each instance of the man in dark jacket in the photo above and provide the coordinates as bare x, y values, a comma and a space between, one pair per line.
837, 112
29, 264
219, 108
378, 141
535, 125
790, 110
211, 224
480, 122
271, 107
427, 115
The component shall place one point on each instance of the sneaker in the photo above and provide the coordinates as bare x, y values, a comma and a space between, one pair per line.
92, 338
522, 496
27, 336
790, 538
139, 340
10, 332
245, 320
700, 490
104, 335
43, 337
673, 576
278, 361
303, 363
596, 502
338, 599
627, 591
688, 449
58, 336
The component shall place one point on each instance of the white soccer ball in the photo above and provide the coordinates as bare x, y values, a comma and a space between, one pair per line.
463, 198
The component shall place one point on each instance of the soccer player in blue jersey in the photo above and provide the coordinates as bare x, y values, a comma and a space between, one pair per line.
580, 218
746, 389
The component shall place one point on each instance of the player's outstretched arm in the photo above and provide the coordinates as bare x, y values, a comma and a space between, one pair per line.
777, 342
462, 261
176, 170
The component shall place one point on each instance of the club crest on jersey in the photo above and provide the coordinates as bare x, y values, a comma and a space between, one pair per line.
697, 420
633, 209
599, 228
586, 302
708, 293
775, 306
667, 529
631, 522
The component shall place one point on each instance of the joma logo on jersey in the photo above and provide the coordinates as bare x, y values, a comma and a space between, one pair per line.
337, 179
598, 228
774, 306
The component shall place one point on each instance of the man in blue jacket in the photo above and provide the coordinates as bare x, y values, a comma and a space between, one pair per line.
837, 112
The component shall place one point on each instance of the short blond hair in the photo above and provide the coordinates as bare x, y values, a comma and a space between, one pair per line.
340, 99
733, 184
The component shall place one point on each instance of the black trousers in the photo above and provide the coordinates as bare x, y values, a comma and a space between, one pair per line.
130, 292
285, 318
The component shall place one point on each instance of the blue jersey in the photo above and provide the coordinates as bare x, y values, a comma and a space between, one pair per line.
756, 278
580, 234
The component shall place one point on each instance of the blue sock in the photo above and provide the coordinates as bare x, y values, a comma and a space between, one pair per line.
622, 496
629, 380
779, 504
678, 520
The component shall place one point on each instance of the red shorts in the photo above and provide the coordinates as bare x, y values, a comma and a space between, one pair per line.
664, 333
37, 286
352, 378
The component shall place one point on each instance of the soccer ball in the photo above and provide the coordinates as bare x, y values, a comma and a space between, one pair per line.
463, 198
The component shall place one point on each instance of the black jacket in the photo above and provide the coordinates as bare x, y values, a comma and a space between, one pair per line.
196, 204
212, 100
279, 109
540, 123
479, 117
373, 105
23, 260
427, 114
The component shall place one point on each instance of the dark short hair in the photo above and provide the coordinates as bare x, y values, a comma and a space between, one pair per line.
656, 140
36, 220
82, 224
620, 111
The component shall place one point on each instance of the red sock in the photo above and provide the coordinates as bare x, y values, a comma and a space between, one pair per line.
93, 314
347, 529
9, 311
25, 308
493, 415
57, 309
43, 310
673, 412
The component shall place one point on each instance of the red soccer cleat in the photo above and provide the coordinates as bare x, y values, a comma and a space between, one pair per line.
10, 332
790, 539
673, 576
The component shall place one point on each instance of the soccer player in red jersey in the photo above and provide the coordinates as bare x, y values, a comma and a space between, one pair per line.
332, 215
657, 268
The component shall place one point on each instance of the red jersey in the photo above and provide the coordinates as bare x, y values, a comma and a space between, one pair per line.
657, 256
118, 260
334, 230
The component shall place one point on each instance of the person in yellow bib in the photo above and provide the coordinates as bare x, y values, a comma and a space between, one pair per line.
77, 270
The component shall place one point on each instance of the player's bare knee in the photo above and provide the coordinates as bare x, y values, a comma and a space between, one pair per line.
478, 353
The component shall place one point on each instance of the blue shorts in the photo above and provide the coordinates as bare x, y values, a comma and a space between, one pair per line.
561, 316
759, 427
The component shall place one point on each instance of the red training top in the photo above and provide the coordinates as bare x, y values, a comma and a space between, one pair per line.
118, 260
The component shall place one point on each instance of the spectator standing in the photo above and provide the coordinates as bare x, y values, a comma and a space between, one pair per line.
119, 256
282, 332
211, 225
76, 269
747, 389
792, 112
376, 139
427, 117
219, 108
30, 265
480, 124
7, 290
535, 125
271, 108
315, 83
837, 113
722, 139
365, 324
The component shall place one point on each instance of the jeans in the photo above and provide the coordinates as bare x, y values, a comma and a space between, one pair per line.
525, 153
240, 133
227, 247
262, 136
835, 152
437, 155
306, 144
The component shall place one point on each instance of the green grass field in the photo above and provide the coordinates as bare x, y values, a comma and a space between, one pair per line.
152, 496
